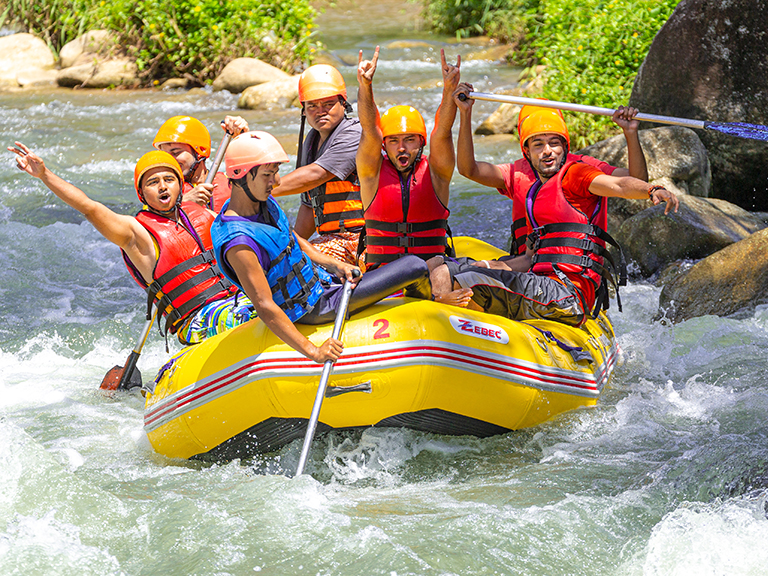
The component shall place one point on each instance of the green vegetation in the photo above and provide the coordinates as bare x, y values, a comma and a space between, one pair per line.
177, 38
592, 49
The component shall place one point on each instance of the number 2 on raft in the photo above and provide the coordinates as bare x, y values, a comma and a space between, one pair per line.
381, 332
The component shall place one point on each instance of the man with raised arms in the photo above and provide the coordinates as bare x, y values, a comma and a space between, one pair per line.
515, 179
404, 193
566, 211
189, 142
325, 174
166, 247
286, 277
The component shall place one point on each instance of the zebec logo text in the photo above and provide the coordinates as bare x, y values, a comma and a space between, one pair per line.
481, 330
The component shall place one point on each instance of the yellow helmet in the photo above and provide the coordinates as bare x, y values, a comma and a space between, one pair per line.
185, 130
402, 120
321, 81
153, 160
544, 121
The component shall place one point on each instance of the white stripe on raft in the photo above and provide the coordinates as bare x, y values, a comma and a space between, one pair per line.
365, 359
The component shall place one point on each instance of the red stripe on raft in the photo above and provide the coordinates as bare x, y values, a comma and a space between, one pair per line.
374, 358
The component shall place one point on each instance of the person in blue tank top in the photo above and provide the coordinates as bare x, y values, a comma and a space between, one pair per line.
287, 279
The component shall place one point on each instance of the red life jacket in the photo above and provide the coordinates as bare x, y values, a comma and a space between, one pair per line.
406, 216
222, 190
522, 180
571, 243
185, 275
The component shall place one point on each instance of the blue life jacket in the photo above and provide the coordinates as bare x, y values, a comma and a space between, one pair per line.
293, 278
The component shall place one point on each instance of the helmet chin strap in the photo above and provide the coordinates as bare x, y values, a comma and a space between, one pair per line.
193, 168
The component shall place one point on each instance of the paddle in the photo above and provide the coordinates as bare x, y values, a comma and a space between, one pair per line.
127, 377
739, 129
338, 325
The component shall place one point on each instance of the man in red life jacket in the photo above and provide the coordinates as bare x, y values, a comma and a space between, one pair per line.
566, 212
405, 195
189, 142
515, 179
166, 248
325, 172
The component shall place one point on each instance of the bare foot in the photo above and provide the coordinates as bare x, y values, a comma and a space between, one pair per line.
460, 297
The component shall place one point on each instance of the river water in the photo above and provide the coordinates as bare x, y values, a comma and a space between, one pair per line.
666, 475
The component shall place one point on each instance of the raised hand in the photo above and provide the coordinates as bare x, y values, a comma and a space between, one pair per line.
234, 125
200, 194
451, 73
367, 68
27, 161
625, 118
466, 103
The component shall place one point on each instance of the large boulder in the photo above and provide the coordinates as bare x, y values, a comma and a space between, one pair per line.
241, 73
701, 227
676, 159
274, 94
503, 120
92, 42
710, 62
100, 74
731, 280
23, 54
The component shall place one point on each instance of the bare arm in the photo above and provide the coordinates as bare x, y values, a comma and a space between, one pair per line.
442, 158
246, 265
124, 231
624, 117
302, 179
481, 172
369, 153
629, 187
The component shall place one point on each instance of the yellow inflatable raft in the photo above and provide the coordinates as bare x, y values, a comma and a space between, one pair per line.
406, 363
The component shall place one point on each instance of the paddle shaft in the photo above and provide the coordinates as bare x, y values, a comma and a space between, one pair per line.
522, 101
338, 325
217, 162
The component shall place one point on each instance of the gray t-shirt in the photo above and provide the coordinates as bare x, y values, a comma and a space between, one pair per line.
337, 154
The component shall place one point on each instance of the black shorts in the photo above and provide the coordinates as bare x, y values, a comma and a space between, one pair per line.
519, 295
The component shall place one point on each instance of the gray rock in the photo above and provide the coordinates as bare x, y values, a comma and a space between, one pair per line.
92, 42
174, 83
99, 74
501, 121
701, 227
710, 62
36, 78
275, 94
735, 279
241, 73
23, 54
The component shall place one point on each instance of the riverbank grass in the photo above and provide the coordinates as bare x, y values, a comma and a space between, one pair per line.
191, 39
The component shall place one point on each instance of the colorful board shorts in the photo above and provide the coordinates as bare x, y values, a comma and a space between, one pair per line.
339, 245
519, 295
217, 317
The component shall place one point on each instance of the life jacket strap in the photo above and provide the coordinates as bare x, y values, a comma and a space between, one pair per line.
407, 241
406, 227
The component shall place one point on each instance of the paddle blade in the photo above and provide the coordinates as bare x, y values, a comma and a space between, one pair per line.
112, 378
740, 130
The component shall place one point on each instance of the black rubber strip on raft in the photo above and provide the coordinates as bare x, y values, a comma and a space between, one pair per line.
275, 433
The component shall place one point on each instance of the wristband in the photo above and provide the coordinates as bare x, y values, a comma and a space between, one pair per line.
653, 189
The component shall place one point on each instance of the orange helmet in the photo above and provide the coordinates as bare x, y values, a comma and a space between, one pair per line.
529, 109
153, 160
543, 122
252, 149
321, 81
185, 130
403, 120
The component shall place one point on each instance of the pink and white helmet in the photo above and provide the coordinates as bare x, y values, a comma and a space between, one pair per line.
252, 149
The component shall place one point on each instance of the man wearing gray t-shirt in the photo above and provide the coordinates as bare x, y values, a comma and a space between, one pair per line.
325, 174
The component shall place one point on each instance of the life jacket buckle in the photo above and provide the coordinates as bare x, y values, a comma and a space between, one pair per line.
404, 242
402, 228
585, 261
586, 244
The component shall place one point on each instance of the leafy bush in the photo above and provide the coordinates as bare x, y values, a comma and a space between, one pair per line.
592, 49
180, 38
